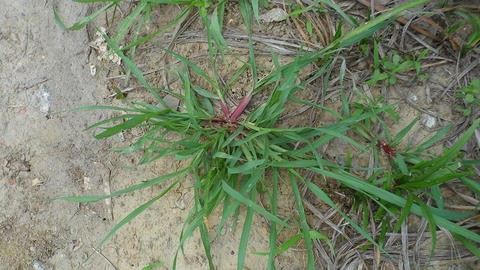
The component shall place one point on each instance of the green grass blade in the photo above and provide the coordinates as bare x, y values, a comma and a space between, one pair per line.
101, 107
109, 120
317, 191
153, 266
129, 124
204, 93
197, 70
149, 183
249, 203
133, 68
400, 135
367, 29
337, 8
247, 167
178, 20
247, 225
373, 191
226, 156
256, 10
206, 245
81, 23
194, 221
202, 226
292, 241
436, 180
303, 223
437, 196
473, 248
452, 152
59, 20
135, 213
431, 224
247, 12
434, 139
128, 21
404, 214
95, 1
273, 225
473, 185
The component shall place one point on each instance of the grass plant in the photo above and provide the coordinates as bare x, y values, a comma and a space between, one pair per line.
233, 154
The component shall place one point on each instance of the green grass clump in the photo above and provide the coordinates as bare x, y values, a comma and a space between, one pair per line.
471, 98
387, 69
233, 155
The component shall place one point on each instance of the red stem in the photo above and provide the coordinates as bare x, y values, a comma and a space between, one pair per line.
225, 109
241, 107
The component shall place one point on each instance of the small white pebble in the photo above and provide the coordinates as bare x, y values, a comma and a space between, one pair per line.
36, 182
38, 265
413, 98
121, 136
428, 121
93, 70
180, 204
87, 183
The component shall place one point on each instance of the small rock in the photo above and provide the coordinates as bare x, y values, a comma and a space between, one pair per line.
36, 182
38, 265
87, 183
428, 121
274, 15
41, 100
93, 70
171, 101
180, 204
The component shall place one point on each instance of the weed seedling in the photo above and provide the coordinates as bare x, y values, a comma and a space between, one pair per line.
471, 97
388, 68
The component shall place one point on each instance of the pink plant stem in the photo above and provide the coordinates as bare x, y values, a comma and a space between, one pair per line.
225, 110
240, 108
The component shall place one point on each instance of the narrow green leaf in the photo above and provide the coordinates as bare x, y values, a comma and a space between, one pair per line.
292, 241
204, 92
225, 156
400, 135
154, 181
273, 225
129, 124
324, 197
135, 213
437, 196
249, 203
129, 20
133, 68
431, 224
247, 225
247, 167
338, 9
59, 20
153, 266
405, 213
303, 222
434, 139
81, 23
